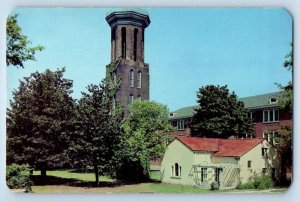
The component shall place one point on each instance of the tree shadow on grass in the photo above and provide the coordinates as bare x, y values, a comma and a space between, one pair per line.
74, 182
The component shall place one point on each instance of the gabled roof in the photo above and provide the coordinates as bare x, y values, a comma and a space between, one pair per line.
236, 147
200, 144
221, 147
251, 102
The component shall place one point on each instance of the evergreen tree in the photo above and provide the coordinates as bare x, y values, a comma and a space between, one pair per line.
220, 114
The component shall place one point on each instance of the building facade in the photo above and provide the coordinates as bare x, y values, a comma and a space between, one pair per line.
202, 161
263, 110
127, 51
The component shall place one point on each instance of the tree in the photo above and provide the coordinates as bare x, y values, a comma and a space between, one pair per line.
284, 139
220, 114
40, 120
97, 130
286, 95
18, 48
146, 133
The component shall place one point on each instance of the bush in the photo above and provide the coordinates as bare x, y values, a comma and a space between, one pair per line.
248, 185
214, 186
257, 182
18, 177
263, 182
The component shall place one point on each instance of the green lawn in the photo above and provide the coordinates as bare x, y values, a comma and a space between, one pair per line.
67, 181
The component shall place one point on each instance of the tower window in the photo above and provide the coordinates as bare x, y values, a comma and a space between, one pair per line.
123, 30
130, 98
135, 43
131, 78
139, 79
113, 45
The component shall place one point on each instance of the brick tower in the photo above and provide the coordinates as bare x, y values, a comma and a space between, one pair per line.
127, 44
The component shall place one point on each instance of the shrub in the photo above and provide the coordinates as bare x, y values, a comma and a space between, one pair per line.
257, 182
247, 185
263, 182
18, 177
214, 186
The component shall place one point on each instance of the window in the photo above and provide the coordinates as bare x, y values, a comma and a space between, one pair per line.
271, 115
135, 44
273, 100
203, 174
270, 136
249, 164
131, 78
264, 171
264, 152
123, 32
139, 97
130, 98
250, 115
180, 124
139, 79
176, 170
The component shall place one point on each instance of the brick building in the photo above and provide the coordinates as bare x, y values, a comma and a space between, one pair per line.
264, 111
127, 46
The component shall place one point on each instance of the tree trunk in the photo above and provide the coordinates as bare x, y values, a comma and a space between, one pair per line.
43, 172
96, 174
283, 170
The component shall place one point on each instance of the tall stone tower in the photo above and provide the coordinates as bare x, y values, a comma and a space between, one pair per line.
127, 45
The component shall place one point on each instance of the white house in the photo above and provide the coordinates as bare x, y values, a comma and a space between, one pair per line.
201, 161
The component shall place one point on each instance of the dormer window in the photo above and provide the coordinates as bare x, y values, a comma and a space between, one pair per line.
273, 101
171, 114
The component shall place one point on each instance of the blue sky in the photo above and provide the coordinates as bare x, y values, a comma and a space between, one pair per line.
185, 48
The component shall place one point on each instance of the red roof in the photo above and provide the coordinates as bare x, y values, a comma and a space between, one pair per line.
221, 147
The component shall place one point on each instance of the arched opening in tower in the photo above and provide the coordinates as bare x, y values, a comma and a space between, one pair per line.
135, 44
123, 42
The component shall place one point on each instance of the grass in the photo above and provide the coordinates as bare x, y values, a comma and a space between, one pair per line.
68, 181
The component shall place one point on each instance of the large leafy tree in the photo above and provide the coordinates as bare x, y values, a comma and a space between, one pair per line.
146, 133
97, 130
40, 120
285, 137
220, 114
286, 96
18, 48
